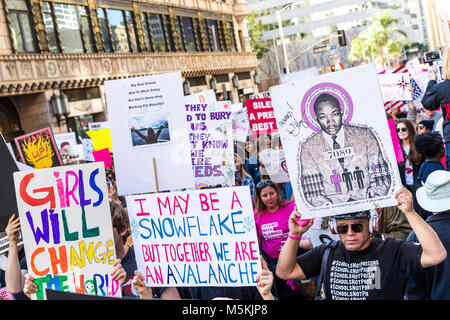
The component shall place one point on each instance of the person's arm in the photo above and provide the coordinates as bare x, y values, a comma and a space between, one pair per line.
287, 266
13, 275
416, 287
430, 100
433, 252
265, 281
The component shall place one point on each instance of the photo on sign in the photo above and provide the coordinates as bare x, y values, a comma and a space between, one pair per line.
343, 160
149, 128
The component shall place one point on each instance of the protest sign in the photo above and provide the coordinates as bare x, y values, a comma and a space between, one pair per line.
98, 125
210, 134
88, 149
5, 295
340, 157
240, 124
195, 238
7, 194
104, 156
260, 115
66, 224
68, 147
395, 142
299, 75
274, 162
261, 95
395, 86
148, 133
101, 139
38, 149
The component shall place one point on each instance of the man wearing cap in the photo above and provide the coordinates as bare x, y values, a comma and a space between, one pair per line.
425, 126
362, 267
434, 282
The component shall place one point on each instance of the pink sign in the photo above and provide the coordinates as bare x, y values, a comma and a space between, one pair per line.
261, 116
103, 155
5, 295
397, 148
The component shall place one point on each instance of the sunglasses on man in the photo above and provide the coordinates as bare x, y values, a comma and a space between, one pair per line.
402, 129
420, 126
343, 228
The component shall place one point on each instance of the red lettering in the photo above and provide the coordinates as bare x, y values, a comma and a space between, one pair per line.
34, 202
142, 213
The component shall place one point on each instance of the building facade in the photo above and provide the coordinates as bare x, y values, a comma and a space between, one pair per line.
73, 46
435, 23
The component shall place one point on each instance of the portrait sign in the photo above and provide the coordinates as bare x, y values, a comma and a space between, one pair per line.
337, 142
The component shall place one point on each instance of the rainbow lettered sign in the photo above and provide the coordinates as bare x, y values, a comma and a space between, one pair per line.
67, 231
195, 238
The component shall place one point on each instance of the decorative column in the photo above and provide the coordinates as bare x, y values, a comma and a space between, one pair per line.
96, 30
139, 29
39, 26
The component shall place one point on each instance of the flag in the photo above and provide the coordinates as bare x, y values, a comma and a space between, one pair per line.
417, 93
390, 106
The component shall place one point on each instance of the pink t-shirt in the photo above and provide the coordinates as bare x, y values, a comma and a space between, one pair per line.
273, 229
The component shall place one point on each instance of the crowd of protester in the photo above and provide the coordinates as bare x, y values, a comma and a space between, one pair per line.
405, 245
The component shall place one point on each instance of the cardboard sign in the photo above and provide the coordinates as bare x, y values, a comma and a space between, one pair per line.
395, 86
261, 116
337, 142
101, 139
66, 224
195, 238
103, 155
38, 149
274, 162
148, 133
210, 134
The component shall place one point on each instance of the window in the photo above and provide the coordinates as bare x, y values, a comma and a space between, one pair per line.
180, 34
67, 18
230, 32
118, 30
86, 29
23, 35
82, 94
189, 37
50, 27
145, 28
103, 21
131, 32
214, 33
157, 32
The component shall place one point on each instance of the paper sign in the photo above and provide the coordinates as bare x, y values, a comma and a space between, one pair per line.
148, 133
5, 295
66, 224
98, 125
240, 125
261, 116
195, 238
396, 143
274, 162
103, 155
210, 135
339, 117
395, 86
38, 149
101, 139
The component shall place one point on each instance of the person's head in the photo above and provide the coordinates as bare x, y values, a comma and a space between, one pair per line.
446, 63
353, 230
425, 126
434, 195
406, 134
430, 145
239, 158
120, 223
264, 142
328, 113
268, 196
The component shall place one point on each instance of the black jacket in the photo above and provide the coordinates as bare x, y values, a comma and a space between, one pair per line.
438, 95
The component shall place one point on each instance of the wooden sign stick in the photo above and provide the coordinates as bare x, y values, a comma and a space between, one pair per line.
155, 176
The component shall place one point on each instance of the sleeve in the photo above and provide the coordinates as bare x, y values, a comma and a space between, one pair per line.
416, 288
311, 261
407, 256
430, 99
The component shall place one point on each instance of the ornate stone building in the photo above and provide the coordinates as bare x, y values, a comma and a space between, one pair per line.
73, 46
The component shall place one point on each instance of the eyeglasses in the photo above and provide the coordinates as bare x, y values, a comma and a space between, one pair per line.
420, 126
264, 183
402, 129
343, 228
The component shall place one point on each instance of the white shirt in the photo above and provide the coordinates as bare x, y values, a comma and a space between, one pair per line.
339, 139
